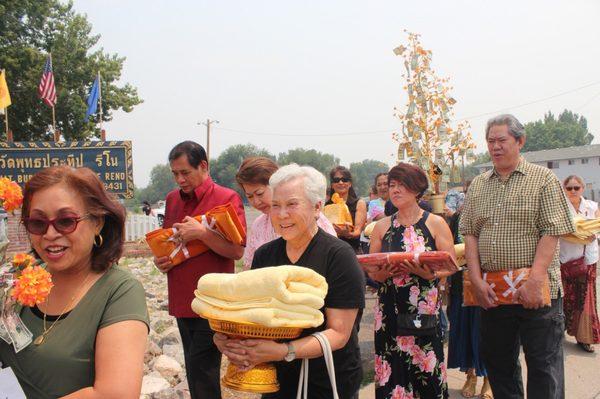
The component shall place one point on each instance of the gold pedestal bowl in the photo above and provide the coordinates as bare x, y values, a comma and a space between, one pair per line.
262, 378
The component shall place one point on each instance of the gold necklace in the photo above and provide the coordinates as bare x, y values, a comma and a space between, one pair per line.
40, 339
414, 218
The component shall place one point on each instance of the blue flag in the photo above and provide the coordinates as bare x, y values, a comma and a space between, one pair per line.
92, 100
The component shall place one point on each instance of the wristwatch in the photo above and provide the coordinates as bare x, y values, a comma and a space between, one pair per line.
291, 354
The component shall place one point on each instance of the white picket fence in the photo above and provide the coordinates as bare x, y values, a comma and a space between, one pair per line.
136, 226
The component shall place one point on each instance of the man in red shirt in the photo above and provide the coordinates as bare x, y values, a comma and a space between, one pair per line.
196, 195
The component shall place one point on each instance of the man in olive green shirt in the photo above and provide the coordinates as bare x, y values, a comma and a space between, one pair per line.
512, 218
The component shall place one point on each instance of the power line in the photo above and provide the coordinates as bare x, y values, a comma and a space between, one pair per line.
588, 102
355, 133
530, 102
391, 130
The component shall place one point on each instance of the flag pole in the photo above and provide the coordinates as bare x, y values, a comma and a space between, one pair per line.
3, 72
54, 124
6, 121
53, 112
100, 98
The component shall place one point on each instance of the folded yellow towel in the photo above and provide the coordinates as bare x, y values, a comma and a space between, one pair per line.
586, 230
281, 296
277, 314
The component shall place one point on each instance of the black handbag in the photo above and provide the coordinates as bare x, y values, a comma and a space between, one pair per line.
417, 324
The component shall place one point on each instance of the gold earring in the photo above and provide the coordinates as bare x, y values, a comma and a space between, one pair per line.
98, 245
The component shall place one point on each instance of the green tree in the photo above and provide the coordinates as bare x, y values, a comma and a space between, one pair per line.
470, 170
224, 168
568, 130
363, 175
480, 158
28, 30
321, 161
161, 183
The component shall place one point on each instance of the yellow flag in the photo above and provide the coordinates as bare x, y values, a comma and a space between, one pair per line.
4, 94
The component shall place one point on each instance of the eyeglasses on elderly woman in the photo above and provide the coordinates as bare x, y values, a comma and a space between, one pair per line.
573, 188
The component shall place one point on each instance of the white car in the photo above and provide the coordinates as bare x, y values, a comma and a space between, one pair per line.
159, 212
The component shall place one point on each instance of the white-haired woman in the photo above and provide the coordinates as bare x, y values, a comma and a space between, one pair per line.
298, 193
253, 178
581, 314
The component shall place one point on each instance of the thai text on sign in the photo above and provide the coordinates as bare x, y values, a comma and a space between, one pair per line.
111, 160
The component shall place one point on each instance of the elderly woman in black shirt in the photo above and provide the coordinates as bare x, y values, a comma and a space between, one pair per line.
298, 193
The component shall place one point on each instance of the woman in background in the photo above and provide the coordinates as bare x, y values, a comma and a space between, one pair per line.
341, 183
253, 177
376, 207
581, 314
375, 211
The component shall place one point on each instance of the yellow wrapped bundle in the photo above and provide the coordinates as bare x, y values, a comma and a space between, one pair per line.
281, 296
369, 229
459, 249
338, 212
586, 230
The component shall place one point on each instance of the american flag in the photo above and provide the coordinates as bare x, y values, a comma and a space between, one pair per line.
46, 90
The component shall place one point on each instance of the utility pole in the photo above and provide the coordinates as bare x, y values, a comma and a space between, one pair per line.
207, 124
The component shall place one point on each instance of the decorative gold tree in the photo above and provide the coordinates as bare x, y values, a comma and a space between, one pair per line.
427, 137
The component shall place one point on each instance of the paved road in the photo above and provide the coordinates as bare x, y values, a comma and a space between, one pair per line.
582, 373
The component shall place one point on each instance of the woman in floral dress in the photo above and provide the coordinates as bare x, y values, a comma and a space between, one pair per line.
408, 366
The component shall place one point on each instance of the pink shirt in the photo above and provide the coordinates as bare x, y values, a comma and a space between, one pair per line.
262, 232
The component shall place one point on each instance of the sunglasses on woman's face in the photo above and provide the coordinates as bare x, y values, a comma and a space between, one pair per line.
62, 224
573, 188
341, 179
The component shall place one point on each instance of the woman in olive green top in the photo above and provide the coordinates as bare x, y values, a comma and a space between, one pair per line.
90, 333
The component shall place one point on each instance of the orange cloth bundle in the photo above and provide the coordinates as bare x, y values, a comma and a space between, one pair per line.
227, 223
221, 219
505, 284
436, 260
338, 212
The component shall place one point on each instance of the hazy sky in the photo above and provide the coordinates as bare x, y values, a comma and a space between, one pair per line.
301, 73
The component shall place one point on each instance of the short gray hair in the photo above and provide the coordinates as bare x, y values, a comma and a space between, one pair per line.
515, 128
314, 185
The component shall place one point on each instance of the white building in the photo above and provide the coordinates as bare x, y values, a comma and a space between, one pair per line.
583, 161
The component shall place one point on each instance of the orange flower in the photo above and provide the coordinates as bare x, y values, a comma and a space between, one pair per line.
22, 260
11, 196
32, 286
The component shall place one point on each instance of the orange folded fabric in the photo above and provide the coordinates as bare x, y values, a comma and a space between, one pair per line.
222, 219
228, 223
436, 260
505, 284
